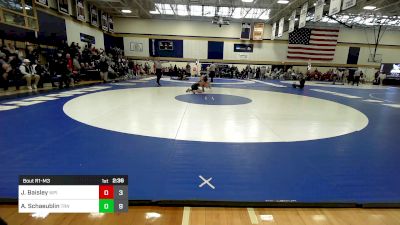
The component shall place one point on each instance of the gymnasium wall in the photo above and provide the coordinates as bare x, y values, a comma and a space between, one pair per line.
75, 27
196, 34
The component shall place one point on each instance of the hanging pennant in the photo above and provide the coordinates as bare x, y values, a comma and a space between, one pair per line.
63, 6
104, 21
80, 10
280, 29
319, 10
348, 4
258, 31
94, 16
303, 15
292, 21
334, 7
110, 24
273, 31
42, 3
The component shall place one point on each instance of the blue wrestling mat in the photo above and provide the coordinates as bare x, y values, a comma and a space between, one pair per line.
253, 141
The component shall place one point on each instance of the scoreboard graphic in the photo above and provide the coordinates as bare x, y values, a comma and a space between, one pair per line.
73, 194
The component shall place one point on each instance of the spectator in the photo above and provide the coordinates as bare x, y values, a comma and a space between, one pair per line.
103, 67
61, 71
212, 71
158, 68
15, 73
5, 69
357, 76
29, 74
187, 70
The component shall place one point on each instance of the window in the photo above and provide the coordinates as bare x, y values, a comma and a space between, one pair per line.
20, 13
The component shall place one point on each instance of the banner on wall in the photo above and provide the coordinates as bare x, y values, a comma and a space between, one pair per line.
136, 47
104, 21
88, 38
292, 21
319, 10
334, 7
166, 45
63, 6
42, 3
243, 47
258, 31
281, 24
303, 15
94, 16
273, 31
348, 4
246, 31
80, 10
110, 23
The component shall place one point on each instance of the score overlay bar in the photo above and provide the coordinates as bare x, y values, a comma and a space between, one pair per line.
73, 194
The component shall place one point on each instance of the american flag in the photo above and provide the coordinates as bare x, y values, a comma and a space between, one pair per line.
313, 44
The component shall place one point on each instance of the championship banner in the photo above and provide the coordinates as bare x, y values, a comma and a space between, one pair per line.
319, 10
292, 21
273, 31
87, 38
258, 31
246, 31
104, 21
42, 3
110, 24
63, 6
243, 47
80, 10
94, 16
334, 7
303, 15
280, 28
348, 4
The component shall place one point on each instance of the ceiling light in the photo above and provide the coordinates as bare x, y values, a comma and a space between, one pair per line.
247, 0
126, 11
283, 2
369, 7
154, 12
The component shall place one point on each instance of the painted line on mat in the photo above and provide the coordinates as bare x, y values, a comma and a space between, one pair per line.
393, 105
22, 103
270, 84
335, 93
381, 99
252, 215
373, 100
7, 107
186, 216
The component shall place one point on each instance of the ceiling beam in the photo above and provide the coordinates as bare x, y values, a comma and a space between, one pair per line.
387, 6
139, 5
293, 5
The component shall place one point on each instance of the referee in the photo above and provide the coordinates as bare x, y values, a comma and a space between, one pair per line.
158, 66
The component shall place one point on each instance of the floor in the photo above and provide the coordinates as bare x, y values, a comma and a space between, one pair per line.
212, 216
252, 141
